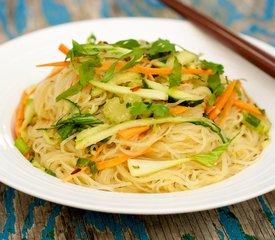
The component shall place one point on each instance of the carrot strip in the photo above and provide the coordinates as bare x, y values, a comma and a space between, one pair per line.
20, 113
227, 107
112, 162
154, 71
247, 107
178, 110
64, 49
55, 72
131, 132
55, 64
222, 99
98, 151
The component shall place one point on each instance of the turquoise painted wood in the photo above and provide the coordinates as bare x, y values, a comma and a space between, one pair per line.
26, 217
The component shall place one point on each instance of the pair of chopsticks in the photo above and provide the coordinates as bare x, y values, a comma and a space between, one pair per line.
255, 55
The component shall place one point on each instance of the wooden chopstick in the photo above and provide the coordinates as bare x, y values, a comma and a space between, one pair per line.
255, 55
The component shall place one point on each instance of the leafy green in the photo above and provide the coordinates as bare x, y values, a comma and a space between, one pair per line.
129, 44
158, 110
70, 91
86, 70
86, 73
135, 56
211, 159
76, 122
217, 68
215, 128
161, 46
175, 76
91, 39
138, 108
85, 162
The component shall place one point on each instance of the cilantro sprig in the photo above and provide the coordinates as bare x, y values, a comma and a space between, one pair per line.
155, 109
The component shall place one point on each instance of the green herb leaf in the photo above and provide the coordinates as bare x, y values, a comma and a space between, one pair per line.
65, 131
161, 46
70, 92
138, 108
129, 44
76, 122
217, 68
212, 158
175, 76
86, 70
85, 162
91, 39
81, 119
159, 110
135, 56
215, 128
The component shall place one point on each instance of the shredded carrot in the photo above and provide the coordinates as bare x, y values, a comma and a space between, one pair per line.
64, 49
248, 107
150, 77
54, 64
227, 107
154, 71
20, 113
222, 99
131, 132
112, 162
178, 110
98, 151
55, 72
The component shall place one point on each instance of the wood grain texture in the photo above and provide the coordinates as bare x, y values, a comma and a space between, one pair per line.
26, 217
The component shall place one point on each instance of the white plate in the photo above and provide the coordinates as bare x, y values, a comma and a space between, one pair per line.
18, 60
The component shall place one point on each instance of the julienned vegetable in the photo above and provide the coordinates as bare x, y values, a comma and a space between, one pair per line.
143, 167
112, 114
89, 136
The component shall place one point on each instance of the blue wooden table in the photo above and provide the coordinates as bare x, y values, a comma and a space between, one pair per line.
26, 217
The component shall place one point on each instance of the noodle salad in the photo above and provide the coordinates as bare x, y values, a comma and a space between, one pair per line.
138, 116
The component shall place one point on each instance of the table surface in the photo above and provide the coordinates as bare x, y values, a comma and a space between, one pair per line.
26, 217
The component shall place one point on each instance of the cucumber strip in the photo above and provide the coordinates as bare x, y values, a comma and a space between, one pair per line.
173, 92
89, 139
145, 93
155, 86
182, 95
139, 168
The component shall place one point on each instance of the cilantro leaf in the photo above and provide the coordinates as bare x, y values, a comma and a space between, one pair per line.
138, 108
85, 162
86, 70
161, 46
175, 76
214, 81
217, 68
159, 110
129, 44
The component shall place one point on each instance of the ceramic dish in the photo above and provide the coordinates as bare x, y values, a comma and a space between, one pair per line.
18, 60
